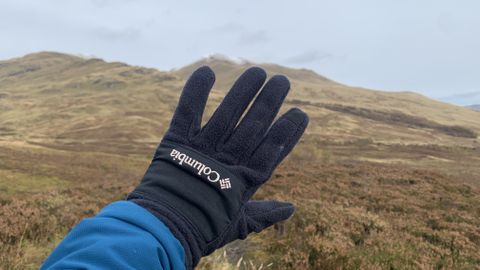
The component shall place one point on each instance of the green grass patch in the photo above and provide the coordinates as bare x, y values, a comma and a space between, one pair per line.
15, 182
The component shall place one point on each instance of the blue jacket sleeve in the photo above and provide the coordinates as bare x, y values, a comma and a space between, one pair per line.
122, 236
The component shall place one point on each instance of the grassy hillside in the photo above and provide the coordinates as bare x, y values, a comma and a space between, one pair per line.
310, 86
381, 180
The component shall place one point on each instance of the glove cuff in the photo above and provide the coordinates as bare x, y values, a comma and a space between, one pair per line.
179, 227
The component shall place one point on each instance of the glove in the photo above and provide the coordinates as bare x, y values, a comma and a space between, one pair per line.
201, 180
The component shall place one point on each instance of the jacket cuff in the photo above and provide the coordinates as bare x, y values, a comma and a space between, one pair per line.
189, 240
135, 214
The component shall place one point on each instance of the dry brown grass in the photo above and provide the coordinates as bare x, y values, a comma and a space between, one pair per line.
350, 214
371, 193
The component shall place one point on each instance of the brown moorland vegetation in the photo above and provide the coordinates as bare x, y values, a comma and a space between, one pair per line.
376, 186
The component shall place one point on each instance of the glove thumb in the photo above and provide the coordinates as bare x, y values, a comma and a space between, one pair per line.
262, 214
258, 215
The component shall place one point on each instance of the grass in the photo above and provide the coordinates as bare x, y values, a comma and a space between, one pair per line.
370, 193
12, 182
350, 214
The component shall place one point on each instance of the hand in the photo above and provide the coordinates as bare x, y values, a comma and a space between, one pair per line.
201, 179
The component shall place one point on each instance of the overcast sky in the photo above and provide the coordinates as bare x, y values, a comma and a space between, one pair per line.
428, 46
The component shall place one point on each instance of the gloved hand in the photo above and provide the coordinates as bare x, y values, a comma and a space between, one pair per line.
201, 179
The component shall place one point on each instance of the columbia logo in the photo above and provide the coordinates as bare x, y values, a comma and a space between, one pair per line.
225, 183
200, 168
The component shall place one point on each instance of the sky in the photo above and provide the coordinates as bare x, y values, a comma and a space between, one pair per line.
431, 46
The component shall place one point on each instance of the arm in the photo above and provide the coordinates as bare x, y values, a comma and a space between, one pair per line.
122, 236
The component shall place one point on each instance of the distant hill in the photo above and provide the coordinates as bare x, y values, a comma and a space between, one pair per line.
474, 107
53, 98
312, 87
227, 70
463, 99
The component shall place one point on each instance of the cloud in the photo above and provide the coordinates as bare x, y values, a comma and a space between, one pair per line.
106, 3
243, 34
228, 28
256, 37
446, 23
108, 34
307, 57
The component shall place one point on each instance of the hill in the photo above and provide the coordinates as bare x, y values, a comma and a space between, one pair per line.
464, 98
309, 86
474, 107
69, 98
381, 180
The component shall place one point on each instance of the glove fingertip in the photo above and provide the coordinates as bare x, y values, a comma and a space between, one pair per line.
287, 210
297, 116
257, 71
205, 72
281, 81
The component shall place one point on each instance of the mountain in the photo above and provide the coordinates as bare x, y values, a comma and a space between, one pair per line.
227, 69
70, 98
463, 99
308, 85
474, 107
381, 180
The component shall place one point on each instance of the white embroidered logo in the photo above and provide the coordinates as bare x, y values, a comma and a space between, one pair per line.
202, 169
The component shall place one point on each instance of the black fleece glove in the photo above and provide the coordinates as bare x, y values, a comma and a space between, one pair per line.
201, 179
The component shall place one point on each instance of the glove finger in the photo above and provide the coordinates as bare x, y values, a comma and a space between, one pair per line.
188, 116
279, 141
258, 216
263, 214
226, 116
253, 126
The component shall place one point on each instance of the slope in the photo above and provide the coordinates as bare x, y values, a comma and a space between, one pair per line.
381, 180
72, 100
